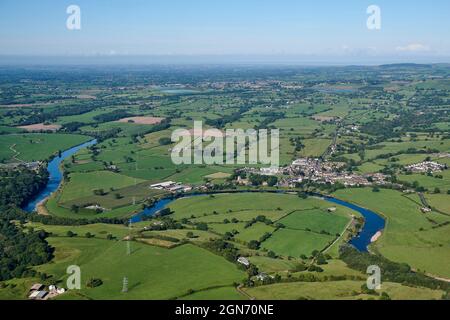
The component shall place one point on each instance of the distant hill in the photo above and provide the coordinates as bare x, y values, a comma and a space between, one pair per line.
405, 65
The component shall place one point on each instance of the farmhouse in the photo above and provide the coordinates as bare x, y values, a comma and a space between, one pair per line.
171, 187
425, 209
263, 276
95, 207
163, 185
243, 261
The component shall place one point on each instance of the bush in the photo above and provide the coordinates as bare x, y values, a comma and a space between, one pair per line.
202, 226
314, 268
253, 244
390, 271
164, 141
70, 234
94, 282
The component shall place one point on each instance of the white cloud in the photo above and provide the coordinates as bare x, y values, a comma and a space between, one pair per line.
413, 47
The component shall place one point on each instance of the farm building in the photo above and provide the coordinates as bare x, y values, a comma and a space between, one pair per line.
243, 261
38, 295
37, 287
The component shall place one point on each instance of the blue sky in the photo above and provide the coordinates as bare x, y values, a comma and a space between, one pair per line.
317, 28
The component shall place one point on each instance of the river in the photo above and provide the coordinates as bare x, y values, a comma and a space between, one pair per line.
373, 222
55, 175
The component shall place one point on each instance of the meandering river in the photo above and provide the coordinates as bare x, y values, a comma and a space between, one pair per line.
373, 222
55, 175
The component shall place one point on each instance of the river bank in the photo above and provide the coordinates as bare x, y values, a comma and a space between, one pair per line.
371, 229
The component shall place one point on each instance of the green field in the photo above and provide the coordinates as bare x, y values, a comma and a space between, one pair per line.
54, 208
82, 185
152, 272
429, 182
341, 290
308, 225
223, 293
408, 237
294, 243
316, 221
236, 203
98, 230
255, 232
439, 202
315, 147
36, 146
118, 197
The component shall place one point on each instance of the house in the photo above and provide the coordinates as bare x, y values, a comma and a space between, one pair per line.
262, 276
242, 181
332, 209
269, 171
113, 168
243, 261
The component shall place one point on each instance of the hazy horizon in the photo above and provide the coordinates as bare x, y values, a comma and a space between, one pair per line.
268, 31
263, 60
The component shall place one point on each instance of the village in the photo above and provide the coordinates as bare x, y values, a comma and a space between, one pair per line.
317, 171
426, 166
